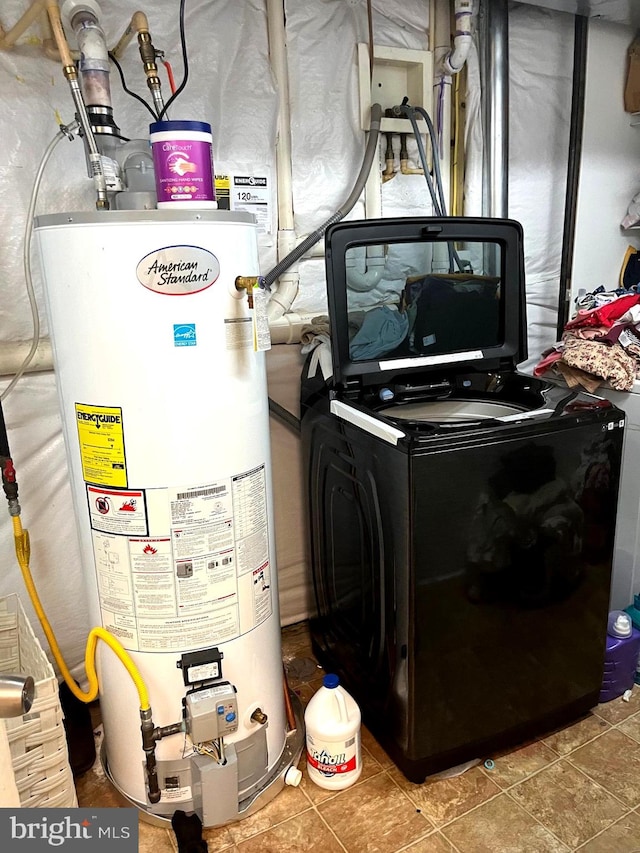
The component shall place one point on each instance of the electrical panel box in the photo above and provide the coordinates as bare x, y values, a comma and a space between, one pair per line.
397, 73
212, 712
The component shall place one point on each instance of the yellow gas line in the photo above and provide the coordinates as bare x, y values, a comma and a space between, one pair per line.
21, 538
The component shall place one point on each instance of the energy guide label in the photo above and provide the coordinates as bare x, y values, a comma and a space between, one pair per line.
253, 194
101, 441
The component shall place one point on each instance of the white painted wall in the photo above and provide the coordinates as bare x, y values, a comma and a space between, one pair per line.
610, 169
610, 177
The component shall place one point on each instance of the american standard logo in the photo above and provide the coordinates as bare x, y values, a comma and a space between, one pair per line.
35, 830
178, 270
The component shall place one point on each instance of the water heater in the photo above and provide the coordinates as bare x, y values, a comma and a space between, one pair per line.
165, 416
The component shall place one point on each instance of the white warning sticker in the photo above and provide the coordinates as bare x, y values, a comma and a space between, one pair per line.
117, 511
206, 580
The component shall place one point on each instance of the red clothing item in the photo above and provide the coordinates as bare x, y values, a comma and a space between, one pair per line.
549, 359
606, 315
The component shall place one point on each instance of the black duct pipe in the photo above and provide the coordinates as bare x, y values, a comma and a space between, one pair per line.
576, 131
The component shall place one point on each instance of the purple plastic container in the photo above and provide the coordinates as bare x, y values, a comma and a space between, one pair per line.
183, 163
621, 657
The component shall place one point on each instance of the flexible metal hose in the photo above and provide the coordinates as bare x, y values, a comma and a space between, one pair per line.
312, 239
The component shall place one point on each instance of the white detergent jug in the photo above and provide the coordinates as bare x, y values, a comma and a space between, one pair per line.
332, 722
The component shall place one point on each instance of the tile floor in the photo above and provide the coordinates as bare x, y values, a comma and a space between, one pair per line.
575, 789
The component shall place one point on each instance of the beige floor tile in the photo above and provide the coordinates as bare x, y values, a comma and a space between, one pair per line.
218, 838
375, 749
518, 764
631, 727
568, 803
154, 839
297, 655
296, 641
501, 826
304, 691
434, 843
622, 837
613, 760
289, 802
374, 817
302, 670
93, 788
446, 799
565, 740
618, 710
305, 833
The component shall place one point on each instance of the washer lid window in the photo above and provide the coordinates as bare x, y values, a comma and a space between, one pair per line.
423, 294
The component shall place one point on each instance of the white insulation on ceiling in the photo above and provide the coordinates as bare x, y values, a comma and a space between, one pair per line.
232, 87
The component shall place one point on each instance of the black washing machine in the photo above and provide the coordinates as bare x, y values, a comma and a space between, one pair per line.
461, 514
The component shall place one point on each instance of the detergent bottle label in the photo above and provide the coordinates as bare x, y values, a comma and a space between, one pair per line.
330, 758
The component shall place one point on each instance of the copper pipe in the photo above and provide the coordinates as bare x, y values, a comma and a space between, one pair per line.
53, 10
291, 717
137, 24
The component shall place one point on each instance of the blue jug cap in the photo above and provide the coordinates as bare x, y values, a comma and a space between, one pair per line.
331, 681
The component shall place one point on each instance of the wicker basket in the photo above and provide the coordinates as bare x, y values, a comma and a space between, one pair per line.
37, 740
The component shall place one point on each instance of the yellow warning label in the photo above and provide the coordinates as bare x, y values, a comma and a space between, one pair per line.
101, 439
223, 191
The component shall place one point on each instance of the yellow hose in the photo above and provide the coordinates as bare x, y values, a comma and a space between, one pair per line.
21, 538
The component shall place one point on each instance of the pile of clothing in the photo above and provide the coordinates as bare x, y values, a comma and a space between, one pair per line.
600, 344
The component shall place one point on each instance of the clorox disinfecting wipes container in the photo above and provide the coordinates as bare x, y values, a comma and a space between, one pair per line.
183, 163
332, 723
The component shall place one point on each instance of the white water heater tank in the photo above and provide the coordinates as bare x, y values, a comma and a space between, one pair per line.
165, 415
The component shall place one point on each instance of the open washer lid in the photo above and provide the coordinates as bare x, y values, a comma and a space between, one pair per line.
425, 294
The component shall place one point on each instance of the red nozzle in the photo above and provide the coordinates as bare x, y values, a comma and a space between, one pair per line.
8, 471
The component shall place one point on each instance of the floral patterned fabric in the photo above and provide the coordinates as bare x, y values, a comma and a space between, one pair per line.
608, 361
600, 344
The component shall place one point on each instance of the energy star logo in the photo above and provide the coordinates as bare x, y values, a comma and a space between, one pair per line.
184, 334
36, 830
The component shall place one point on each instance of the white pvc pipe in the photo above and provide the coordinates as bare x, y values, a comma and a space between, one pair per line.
442, 89
364, 273
455, 59
282, 296
287, 289
278, 58
13, 354
288, 328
